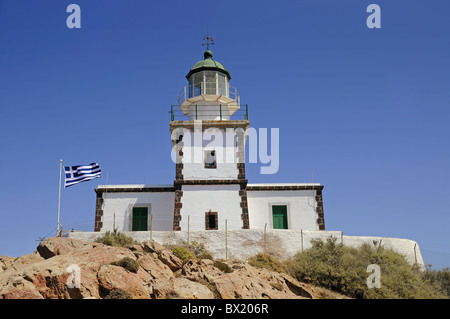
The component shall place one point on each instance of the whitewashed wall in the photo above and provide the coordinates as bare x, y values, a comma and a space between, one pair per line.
199, 199
160, 205
220, 140
244, 243
300, 208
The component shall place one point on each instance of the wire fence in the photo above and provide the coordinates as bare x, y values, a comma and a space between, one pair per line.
267, 240
116, 222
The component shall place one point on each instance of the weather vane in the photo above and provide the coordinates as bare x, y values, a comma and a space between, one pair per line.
209, 41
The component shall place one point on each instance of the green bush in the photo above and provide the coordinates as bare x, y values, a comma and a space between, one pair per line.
118, 294
222, 266
116, 238
441, 278
344, 269
183, 253
267, 261
194, 250
127, 263
198, 250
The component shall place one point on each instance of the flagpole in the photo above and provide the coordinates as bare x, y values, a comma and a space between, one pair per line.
59, 197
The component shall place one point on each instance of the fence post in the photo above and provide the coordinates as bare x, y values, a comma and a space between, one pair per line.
188, 233
151, 226
342, 237
196, 112
301, 237
415, 254
226, 239
220, 108
265, 241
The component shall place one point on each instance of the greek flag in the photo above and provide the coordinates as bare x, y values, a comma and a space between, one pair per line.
81, 173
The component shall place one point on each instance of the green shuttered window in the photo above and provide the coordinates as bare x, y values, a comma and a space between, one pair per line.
280, 220
140, 218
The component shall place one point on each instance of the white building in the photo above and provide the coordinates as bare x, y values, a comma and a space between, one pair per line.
209, 132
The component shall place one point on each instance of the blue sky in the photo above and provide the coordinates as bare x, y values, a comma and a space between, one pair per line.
366, 109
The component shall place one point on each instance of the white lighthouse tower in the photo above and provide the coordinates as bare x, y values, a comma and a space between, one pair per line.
209, 129
208, 133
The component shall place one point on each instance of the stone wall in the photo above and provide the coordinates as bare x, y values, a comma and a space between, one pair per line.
241, 244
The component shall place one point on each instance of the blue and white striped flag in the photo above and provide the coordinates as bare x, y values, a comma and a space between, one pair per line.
81, 173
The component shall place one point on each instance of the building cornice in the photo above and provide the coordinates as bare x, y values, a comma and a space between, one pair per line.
132, 189
278, 187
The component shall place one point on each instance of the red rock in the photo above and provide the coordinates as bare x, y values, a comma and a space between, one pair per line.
58, 246
33, 277
169, 259
112, 277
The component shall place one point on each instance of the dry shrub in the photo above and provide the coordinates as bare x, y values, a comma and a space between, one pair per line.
267, 261
127, 263
116, 238
344, 269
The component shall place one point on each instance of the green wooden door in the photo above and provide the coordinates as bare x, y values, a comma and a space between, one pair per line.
140, 218
280, 217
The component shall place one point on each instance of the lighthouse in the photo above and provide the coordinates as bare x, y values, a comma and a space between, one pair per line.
208, 133
209, 130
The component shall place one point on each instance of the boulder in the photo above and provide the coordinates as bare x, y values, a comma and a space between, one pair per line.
50, 276
162, 288
155, 267
17, 262
245, 281
200, 269
115, 278
58, 246
17, 287
169, 259
187, 289
5, 262
152, 246
248, 282
162, 253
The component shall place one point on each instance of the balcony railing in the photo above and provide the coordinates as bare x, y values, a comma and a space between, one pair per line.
191, 91
213, 112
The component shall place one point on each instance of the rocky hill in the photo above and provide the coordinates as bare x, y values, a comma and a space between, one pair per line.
65, 268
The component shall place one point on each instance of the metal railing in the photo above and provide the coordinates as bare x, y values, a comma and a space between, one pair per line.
213, 112
191, 91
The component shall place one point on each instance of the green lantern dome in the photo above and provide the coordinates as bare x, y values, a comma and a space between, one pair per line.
208, 64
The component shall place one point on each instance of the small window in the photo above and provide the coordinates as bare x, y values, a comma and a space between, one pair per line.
211, 221
210, 159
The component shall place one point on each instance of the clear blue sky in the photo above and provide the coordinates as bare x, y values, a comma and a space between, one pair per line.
366, 109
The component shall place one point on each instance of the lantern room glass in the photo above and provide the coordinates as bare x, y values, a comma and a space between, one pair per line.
209, 83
